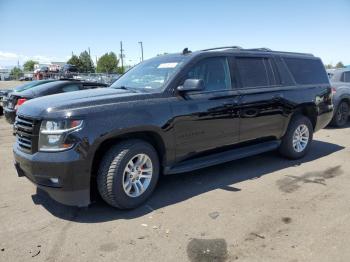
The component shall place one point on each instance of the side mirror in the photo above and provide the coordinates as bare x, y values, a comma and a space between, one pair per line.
191, 85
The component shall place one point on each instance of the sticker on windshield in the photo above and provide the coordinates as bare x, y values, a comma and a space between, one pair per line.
168, 65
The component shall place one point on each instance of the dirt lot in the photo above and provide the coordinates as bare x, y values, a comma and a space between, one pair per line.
263, 208
9, 84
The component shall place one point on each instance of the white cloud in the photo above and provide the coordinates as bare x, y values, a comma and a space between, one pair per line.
8, 58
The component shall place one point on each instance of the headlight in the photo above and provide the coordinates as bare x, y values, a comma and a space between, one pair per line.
53, 134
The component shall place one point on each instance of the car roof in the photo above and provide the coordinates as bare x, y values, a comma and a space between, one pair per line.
32, 84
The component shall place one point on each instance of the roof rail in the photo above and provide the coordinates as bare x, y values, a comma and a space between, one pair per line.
259, 49
223, 47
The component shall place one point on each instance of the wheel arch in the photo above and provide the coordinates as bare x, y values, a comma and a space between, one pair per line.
149, 136
343, 98
310, 111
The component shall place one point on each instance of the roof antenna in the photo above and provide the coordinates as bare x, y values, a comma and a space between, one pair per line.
186, 51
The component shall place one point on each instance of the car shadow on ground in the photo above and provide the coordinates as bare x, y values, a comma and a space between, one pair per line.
177, 188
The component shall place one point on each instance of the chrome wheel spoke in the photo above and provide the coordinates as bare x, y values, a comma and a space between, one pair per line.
139, 185
136, 189
128, 186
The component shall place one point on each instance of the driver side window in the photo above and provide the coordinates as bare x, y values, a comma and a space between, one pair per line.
214, 71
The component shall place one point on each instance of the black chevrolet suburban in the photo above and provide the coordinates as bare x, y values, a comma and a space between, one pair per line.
171, 114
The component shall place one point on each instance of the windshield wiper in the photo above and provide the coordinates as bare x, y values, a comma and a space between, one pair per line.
126, 88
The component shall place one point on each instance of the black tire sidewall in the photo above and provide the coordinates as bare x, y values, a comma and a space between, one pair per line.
287, 148
336, 120
123, 200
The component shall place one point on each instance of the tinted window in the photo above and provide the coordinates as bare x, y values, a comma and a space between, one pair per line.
90, 86
347, 77
307, 71
254, 71
70, 88
214, 72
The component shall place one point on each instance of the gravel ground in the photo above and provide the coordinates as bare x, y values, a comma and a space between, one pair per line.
10, 84
263, 208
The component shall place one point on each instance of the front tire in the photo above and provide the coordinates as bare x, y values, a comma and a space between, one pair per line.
128, 174
297, 140
341, 116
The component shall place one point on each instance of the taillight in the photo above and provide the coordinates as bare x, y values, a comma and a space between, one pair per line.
334, 90
20, 102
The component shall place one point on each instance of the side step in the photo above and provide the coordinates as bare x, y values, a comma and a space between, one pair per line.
222, 157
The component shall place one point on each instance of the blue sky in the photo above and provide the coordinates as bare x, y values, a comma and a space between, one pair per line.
52, 30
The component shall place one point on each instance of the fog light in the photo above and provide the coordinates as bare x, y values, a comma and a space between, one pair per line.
54, 180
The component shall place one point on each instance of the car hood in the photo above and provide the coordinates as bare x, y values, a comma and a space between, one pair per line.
75, 100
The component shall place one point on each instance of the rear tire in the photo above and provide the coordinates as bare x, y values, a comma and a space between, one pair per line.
341, 116
296, 142
122, 180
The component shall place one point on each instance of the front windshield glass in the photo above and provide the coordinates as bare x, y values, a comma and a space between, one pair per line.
151, 75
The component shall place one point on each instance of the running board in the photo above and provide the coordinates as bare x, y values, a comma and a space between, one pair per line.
219, 158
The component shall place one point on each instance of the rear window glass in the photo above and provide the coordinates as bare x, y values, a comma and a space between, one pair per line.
307, 71
71, 88
253, 71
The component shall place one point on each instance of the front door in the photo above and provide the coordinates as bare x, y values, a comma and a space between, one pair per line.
206, 120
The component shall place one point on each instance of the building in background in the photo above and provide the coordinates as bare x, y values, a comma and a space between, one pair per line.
4, 74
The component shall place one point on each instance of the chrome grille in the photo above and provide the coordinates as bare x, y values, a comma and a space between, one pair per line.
27, 130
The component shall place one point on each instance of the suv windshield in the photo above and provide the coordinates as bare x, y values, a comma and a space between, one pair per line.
151, 75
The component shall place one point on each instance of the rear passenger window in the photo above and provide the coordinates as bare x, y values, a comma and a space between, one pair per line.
347, 77
256, 72
307, 71
70, 88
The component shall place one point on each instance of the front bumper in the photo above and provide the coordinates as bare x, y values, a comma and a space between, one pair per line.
44, 168
10, 115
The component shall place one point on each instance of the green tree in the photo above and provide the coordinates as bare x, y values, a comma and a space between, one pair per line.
329, 66
121, 70
16, 73
74, 60
86, 64
29, 65
108, 63
339, 65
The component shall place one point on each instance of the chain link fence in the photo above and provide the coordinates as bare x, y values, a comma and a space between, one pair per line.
90, 77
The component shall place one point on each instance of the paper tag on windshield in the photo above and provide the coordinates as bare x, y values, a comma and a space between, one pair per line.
168, 65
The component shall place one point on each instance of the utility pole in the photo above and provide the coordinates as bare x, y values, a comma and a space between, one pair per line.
89, 50
122, 55
141, 44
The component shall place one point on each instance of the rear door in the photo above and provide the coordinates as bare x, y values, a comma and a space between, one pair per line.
261, 101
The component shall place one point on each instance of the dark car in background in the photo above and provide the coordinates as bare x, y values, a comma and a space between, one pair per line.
4, 94
68, 68
340, 80
171, 114
17, 98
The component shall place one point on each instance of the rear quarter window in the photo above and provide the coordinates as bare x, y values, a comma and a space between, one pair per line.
70, 88
307, 71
